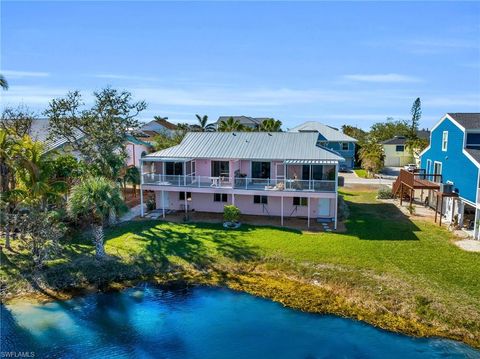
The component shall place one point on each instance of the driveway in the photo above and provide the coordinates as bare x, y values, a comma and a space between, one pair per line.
391, 171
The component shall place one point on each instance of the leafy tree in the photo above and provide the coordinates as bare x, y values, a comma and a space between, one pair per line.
18, 121
382, 131
39, 234
203, 125
230, 125
372, 156
355, 132
270, 125
3, 82
96, 200
130, 175
163, 140
67, 168
416, 112
97, 133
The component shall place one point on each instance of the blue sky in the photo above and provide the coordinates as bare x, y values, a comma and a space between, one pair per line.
338, 63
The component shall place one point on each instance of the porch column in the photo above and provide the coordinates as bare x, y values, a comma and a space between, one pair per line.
233, 199
461, 210
281, 211
186, 203
308, 212
475, 225
184, 173
336, 211
163, 204
141, 188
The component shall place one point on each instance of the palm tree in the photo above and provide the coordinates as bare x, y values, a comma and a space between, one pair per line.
230, 125
203, 125
270, 125
3, 83
96, 199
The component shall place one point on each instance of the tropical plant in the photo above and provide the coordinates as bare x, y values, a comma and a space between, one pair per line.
203, 125
230, 125
17, 121
372, 156
3, 82
270, 125
385, 193
163, 140
96, 200
231, 213
130, 175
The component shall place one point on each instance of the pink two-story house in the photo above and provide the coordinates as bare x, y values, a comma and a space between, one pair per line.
281, 174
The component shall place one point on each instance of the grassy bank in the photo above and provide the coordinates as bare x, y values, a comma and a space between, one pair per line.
390, 271
361, 173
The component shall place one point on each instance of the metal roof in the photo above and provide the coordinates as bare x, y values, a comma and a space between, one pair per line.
40, 130
397, 140
325, 133
307, 162
469, 121
249, 145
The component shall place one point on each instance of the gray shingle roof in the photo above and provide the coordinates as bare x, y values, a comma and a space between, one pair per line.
469, 121
249, 145
474, 153
326, 133
397, 140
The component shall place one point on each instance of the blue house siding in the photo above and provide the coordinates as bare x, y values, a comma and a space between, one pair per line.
349, 154
456, 166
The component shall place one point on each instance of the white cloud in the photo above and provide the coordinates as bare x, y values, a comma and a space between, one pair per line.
124, 77
20, 74
385, 78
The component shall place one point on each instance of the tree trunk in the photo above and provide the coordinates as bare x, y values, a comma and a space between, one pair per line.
98, 236
7, 235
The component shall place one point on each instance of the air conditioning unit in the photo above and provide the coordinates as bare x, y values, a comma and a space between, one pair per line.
446, 187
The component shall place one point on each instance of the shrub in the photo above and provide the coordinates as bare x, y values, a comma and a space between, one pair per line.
231, 213
385, 193
150, 204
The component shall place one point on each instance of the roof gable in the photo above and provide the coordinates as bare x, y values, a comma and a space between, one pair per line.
326, 133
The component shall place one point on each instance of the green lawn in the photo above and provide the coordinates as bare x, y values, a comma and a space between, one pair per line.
384, 263
361, 172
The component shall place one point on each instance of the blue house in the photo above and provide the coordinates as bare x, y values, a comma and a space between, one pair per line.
454, 153
331, 138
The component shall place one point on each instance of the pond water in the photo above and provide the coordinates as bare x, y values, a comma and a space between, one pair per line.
151, 322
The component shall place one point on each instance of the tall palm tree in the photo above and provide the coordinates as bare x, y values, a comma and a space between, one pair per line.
230, 125
270, 125
3, 83
96, 199
203, 125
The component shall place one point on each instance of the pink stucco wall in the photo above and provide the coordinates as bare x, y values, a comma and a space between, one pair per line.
134, 153
204, 202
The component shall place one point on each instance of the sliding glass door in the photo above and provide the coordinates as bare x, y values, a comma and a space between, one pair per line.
260, 169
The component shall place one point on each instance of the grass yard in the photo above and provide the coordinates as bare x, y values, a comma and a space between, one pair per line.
361, 173
386, 269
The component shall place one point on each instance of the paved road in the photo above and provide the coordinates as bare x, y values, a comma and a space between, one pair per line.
351, 178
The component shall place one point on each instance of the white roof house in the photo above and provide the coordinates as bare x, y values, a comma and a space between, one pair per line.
326, 133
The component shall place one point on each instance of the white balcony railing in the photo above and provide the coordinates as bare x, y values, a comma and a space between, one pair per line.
246, 183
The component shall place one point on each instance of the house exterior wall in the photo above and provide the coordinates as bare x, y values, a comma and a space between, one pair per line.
396, 159
456, 166
349, 154
134, 153
204, 202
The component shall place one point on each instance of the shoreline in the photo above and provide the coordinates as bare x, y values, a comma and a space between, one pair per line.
290, 292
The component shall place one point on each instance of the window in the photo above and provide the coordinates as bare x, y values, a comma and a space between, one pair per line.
181, 196
400, 148
473, 140
444, 141
220, 197
437, 170
317, 172
220, 169
345, 146
260, 199
300, 201
144, 153
260, 169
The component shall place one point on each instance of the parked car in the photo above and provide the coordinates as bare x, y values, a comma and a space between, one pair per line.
411, 167
343, 168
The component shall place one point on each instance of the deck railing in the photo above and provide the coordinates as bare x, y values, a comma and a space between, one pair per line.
246, 183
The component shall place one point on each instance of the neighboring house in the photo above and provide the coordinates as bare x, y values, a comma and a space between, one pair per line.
331, 138
136, 149
155, 127
39, 132
250, 122
280, 174
396, 152
454, 157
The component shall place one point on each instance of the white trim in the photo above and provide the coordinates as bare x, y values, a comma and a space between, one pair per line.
444, 141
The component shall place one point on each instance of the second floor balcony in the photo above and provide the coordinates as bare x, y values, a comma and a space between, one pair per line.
238, 183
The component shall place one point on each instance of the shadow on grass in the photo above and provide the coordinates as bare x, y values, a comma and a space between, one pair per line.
379, 221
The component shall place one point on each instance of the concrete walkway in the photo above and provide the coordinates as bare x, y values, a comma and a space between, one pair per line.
352, 178
131, 214
469, 245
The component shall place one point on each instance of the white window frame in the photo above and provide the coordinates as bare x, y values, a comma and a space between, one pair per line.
429, 166
444, 141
